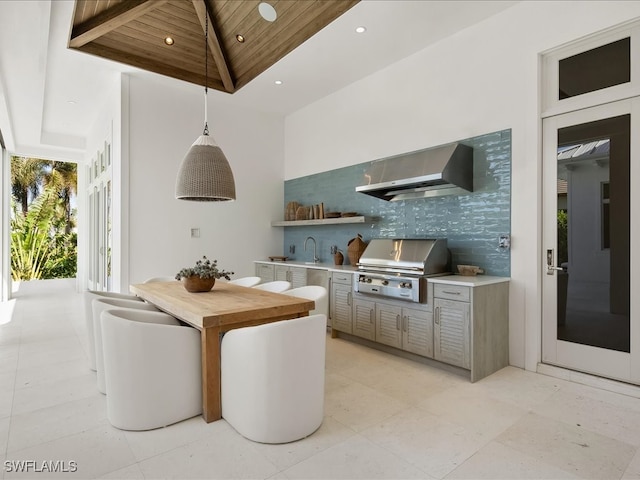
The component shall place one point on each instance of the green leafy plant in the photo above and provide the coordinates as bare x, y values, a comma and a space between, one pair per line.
204, 268
43, 238
563, 245
38, 248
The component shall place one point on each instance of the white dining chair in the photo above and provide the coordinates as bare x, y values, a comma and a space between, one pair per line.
277, 286
246, 281
317, 293
153, 369
279, 398
99, 305
88, 297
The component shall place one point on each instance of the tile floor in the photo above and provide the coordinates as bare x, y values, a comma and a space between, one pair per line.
386, 417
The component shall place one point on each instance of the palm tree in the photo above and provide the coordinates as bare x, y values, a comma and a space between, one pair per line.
42, 242
63, 176
27, 175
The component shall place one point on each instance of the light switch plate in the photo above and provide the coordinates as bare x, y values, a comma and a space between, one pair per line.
504, 241
195, 233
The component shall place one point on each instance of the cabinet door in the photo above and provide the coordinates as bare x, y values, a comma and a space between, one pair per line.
388, 324
265, 272
451, 332
298, 277
281, 273
364, 312
417, 332
341, 313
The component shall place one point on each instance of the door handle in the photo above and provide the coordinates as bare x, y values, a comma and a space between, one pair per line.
437, 315
551, 268
405, 323
397, 322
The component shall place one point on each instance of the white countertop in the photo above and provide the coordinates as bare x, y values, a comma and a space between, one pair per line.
454, 279
320, 265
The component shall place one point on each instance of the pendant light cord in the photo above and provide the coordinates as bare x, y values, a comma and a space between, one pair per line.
206, 69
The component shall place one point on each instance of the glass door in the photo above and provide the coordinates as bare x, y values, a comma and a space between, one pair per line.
588, 322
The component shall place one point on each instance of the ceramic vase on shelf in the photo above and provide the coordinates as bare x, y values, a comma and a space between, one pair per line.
196, 284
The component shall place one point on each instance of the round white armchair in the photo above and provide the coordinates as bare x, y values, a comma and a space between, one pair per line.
272, 379
153, 369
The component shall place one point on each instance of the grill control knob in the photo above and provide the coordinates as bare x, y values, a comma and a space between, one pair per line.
385, 282
368, 280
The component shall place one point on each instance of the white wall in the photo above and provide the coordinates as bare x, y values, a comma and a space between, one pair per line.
164, 120
106, 127
484, 79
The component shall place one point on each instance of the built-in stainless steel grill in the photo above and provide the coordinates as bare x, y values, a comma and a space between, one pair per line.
399, 268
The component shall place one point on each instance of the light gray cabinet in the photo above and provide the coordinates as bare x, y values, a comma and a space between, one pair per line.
389, 324
269, 272
364, 318
340, 302
409, 329
465, 323
417, 331
265, 271
471, 327
297, 276
451, 332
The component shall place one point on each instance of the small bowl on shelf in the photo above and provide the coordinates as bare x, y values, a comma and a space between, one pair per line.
332, 214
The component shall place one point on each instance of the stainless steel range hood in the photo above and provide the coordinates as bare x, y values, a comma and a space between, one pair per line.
432, 172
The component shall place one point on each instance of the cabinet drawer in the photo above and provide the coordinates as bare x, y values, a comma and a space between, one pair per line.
452, 292
342, 278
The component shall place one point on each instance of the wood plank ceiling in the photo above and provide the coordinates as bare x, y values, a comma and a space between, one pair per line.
133, 32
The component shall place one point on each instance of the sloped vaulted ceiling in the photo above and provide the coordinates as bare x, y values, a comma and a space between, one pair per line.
133, 32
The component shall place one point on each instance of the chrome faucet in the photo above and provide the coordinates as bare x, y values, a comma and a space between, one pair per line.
315, 257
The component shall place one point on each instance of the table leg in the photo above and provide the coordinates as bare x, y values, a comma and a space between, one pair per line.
211, 407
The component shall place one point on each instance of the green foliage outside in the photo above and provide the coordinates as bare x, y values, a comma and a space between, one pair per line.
43, 240
563, 246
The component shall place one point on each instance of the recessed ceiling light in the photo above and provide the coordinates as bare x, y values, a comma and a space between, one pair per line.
278, 82
168, 40
72, 102
240, 38
267, 12
361, 29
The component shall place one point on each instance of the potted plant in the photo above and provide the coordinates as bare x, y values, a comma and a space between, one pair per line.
202, 276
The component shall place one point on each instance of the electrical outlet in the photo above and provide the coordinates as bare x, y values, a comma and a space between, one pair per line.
195, 233
292, 249
504, 241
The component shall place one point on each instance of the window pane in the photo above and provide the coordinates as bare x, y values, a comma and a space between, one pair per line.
595, 69
593, 233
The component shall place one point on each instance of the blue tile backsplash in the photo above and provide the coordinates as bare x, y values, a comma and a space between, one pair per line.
471, 223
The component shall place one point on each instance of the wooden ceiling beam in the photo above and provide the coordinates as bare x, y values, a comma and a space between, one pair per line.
214, 45
110, 19
163, 68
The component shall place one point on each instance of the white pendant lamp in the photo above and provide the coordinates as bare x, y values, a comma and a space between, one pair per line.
205, 174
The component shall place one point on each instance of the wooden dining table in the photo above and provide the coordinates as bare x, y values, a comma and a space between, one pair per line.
224, 308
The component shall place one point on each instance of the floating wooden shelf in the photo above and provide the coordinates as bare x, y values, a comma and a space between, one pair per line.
324, 221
